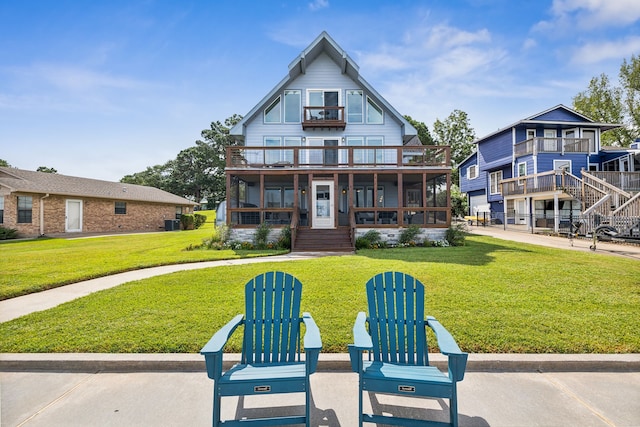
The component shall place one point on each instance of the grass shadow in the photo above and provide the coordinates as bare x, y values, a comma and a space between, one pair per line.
478, 251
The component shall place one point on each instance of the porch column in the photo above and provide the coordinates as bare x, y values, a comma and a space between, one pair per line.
529, 212
400, 200
556, 214
261, 207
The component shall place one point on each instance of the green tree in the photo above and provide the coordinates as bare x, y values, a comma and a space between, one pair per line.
216, 140
603, 102
154, 176
46, 169
456, 132
4, 163
630, 82
423, 131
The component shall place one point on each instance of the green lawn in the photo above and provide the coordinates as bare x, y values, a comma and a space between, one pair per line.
34, 265
493, 295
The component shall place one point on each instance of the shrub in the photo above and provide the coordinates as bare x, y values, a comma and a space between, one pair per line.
456, 235
371, 239
8, 233
409, 235
284, 241
260, 239
187, 221
199, 220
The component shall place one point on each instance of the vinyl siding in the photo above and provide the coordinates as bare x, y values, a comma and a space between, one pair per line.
322, 73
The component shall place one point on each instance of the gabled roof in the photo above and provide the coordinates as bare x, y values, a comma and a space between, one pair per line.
540, 119
24, 181
324, 44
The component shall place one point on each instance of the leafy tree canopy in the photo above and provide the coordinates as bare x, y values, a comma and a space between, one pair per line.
46, 169
4, 163
606, 103
423, 131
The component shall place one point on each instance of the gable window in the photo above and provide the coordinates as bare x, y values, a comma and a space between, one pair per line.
292, 106
272, 112
531, 133
494, 182
1, 209
354, 106
472, 172
121, 208
374, 113
25, 206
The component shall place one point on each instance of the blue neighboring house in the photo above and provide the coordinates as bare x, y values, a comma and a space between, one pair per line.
549, 172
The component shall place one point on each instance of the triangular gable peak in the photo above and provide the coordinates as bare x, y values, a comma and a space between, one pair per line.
324, 44
559, 113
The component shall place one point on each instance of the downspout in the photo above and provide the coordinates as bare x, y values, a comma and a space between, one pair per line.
42, 213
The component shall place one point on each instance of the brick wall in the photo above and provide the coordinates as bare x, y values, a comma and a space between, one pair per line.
98, 215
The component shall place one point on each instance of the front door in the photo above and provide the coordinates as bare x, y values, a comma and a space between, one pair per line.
73, 221
323, 205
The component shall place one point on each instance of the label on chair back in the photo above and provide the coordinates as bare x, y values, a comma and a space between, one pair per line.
262, 388
406, 389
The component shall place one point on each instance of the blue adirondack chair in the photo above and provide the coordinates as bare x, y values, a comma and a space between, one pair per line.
396, 338
270, 361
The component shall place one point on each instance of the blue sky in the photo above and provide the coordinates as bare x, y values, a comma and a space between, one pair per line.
102, 89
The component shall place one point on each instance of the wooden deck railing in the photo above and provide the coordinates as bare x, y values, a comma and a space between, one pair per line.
323, 117
343, 156
626, 181
552, 145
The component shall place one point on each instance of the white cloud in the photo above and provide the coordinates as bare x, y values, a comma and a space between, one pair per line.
589, 14
594, 52
318, 4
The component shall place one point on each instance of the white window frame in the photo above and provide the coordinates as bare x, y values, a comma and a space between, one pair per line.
531, 133
272, 156
594, 148
522, 172
550, 143
298, 107
376, 107
558, 165
1, 209
494, 182
472, 172
349, 104
270, 108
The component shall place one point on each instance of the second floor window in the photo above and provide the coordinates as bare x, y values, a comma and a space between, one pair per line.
472, 172
374, 112
292, 106
354, 106
494, 182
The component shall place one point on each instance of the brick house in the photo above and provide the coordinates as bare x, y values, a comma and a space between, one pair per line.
38, 203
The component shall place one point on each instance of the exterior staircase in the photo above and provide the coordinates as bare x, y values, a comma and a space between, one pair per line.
323, 240
605, 204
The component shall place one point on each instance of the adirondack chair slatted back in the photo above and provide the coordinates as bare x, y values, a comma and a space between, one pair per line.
272, 319
396, 319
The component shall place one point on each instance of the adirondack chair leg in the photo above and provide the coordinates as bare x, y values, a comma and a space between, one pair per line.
360, 393
307, 394
453, 407
216, 407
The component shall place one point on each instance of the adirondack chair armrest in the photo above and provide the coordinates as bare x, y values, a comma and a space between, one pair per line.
212, 350
312, 342
361, 342
448, 346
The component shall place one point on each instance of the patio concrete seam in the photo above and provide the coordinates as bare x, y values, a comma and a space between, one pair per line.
102, 362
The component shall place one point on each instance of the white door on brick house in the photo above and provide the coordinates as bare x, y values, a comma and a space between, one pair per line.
73, 218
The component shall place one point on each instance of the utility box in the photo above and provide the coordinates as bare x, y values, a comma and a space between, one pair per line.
171, 225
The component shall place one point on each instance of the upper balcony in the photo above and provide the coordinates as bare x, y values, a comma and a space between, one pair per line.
339, 156
553, 145
323, 118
